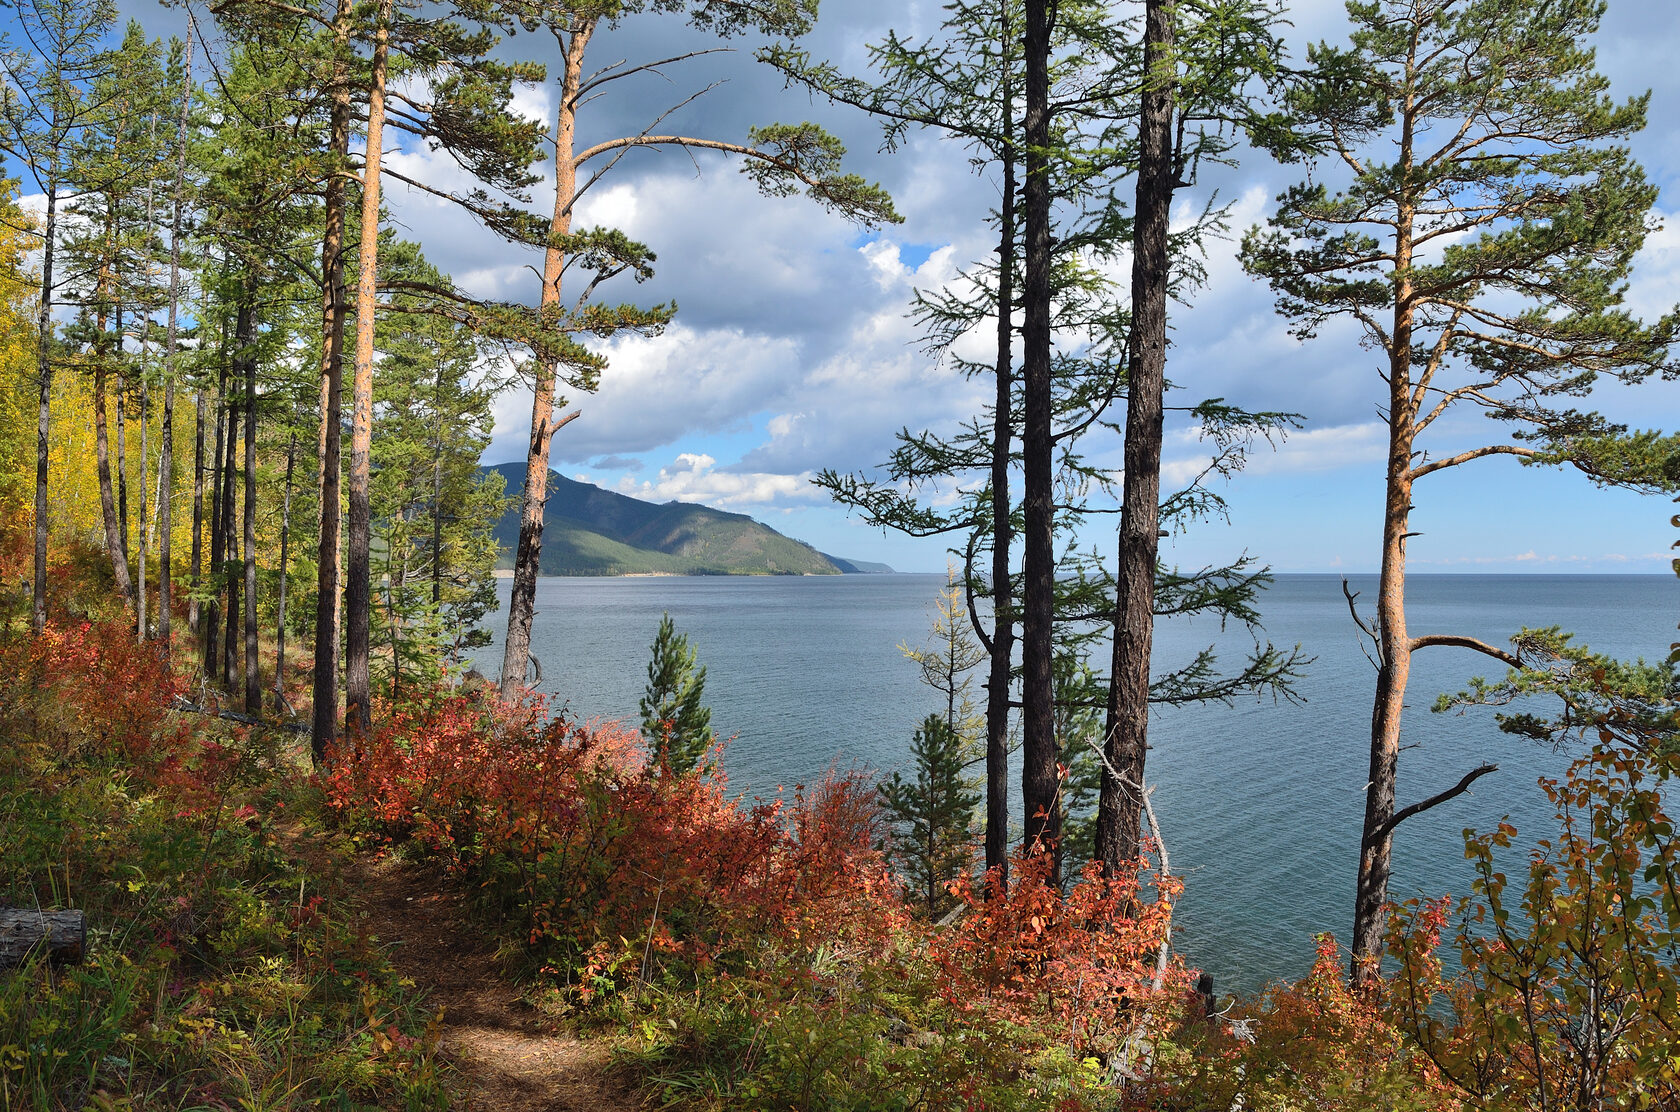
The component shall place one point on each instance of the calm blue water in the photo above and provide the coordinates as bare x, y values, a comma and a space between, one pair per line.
1260, 803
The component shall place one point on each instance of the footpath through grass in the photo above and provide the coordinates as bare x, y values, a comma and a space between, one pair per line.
222, 973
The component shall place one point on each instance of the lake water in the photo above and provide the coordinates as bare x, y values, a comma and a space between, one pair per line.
1260, 803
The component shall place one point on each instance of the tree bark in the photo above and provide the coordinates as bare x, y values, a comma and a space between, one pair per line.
1040, 780
166, 437
358, 594
333, 307
253, 672
230, 537
285, 566
196, 573
121, 387
61, 934
107, 496
43, 427
516, 650
212, 605
140, 522
998, 680
1126, 732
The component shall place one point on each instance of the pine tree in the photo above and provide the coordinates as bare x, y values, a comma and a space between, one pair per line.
674, 722
780, 159
1481, 242
932, 815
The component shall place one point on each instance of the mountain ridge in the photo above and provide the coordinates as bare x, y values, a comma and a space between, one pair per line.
588, 530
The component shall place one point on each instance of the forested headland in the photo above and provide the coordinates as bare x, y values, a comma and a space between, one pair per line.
248, 542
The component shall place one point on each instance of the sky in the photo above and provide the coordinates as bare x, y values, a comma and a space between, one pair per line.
791, 350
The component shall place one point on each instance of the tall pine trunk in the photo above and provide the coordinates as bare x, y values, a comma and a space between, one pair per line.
141, 523
358, 593
334, 305
43, 378
120, 386
211, 611
166, 437
1126, 729
1040, 780
230, 538
102, 464
516, 652
196, 573
253, 673
280, 707
115, 542
1394, 657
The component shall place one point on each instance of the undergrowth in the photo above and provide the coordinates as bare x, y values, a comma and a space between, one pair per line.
222, 973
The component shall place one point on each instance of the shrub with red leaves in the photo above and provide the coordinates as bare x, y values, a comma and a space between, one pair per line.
567, 825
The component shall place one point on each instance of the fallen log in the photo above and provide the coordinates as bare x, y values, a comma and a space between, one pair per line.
62, 935
187, 705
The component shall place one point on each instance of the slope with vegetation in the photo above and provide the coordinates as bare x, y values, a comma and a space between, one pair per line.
590, 531
780, 953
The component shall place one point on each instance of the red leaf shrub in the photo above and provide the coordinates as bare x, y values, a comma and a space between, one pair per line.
90, 686
1079, 966
567, 825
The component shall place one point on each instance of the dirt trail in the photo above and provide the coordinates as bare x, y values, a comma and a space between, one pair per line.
505, 1059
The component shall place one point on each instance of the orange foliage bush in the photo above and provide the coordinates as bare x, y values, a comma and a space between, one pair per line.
1079, 966
567, 825
90, 685
1312, 1043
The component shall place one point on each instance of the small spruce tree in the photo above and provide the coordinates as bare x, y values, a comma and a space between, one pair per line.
674, 722
931, 815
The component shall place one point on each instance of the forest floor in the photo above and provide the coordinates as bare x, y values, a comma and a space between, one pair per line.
504, 1055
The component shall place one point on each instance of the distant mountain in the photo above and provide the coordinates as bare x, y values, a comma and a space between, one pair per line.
591, 531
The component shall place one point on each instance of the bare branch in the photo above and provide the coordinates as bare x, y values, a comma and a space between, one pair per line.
1376, 642
1458, 789
1473, 453
1459, 641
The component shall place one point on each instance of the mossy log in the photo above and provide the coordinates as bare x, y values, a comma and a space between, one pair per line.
61, 934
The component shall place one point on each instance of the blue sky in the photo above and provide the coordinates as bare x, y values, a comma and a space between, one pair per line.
791, 350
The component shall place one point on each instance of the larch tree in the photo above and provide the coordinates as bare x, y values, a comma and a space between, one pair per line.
963, 83
50, 66
1201, 59
1481, 242
780, 158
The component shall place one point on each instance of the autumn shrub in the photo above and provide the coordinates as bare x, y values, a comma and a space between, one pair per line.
89, 688
1038, 999
602, 858
1569, 995
220, 972
1313, 1043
